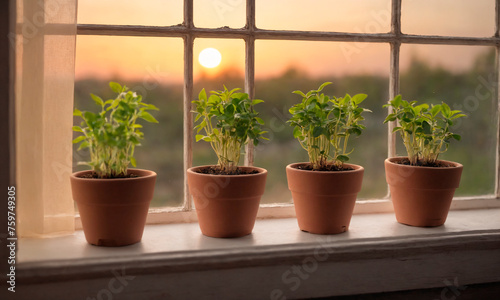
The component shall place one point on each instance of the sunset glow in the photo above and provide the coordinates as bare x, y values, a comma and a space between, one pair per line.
107, 57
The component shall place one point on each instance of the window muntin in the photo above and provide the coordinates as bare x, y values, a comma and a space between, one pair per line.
252, 36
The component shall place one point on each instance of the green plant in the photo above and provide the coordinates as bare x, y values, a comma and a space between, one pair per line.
112, 134
324, 125
229, 122
425, 129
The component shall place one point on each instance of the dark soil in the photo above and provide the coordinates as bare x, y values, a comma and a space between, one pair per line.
328, 168
93, 175
215, 170
437, 164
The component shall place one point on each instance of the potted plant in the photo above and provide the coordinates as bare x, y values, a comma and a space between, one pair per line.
324, 190
227, 196
113, 200
421, 186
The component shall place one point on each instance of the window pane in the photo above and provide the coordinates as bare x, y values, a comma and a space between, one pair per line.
281, 68
130, 12
448, 17
366, 16
464, 78
153, 68
219, 13
230, 72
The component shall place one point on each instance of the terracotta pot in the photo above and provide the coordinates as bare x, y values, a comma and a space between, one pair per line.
113, 211
422, 195
226, 205
324, 201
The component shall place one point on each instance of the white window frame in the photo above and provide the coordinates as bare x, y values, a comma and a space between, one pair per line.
250, 33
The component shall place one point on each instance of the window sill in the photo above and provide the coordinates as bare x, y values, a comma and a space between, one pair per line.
287, 210
377, 254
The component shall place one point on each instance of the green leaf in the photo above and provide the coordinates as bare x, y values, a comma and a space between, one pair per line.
213, 99
259, 120
256, 101
202, 95
97, 100
317, 131
397, 101
390, 118
299, 93
133, 161
359, 98
79, 139
311, 106
203, 137
149, 107
201, 126
229, 110
83, 145
458, 116
356, 131
435, 110
426, 127
233, 90
241, 96
77, 129
297, 132
147, 117
345, 100
241, 131
456, 137
342, 158
446, 110
77, 113
114, 104
421, 107
321, 87
117, 88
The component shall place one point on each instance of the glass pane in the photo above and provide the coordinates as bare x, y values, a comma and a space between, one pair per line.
130, 12
230, 72
464, 78
219, 13
281, 68
153, 68
366, 16
448, 17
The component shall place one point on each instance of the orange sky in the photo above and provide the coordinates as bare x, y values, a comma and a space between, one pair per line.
162, 58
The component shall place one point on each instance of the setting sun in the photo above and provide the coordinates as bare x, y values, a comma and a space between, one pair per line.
210, 57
